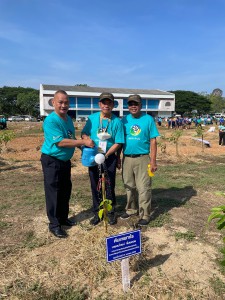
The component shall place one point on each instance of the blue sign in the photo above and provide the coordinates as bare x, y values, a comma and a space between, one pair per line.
123, 245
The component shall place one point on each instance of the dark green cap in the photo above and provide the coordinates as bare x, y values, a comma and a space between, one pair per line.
135, 98
105, 96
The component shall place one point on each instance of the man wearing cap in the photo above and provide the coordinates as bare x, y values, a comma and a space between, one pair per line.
106, 130
139, 151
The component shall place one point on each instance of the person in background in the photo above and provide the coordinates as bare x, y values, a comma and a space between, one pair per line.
57, 150
221, 135
106, 130
3, 123
139, 151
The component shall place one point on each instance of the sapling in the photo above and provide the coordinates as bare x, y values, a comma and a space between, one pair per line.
174, 138
161, 143
200, 132
219, 214
105, 206
5, 137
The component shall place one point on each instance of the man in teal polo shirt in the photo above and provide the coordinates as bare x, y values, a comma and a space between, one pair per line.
106, 130
139, 151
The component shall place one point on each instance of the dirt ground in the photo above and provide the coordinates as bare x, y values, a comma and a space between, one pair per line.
173, 263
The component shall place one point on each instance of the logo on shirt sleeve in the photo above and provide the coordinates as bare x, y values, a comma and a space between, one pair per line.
135, 130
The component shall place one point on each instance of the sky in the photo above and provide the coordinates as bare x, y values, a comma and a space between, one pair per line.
142, 44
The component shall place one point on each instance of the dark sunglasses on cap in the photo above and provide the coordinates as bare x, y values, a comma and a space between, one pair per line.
133, 103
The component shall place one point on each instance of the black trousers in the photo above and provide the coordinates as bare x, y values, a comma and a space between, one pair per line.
222, 138
57, 185
110, 178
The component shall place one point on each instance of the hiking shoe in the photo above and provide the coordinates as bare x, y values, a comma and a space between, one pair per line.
125, 216
95, 220
112, 219
142, 222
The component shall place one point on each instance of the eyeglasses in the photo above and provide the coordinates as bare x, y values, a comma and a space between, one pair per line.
133, 103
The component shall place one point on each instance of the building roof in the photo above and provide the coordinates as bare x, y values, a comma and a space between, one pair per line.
74, 88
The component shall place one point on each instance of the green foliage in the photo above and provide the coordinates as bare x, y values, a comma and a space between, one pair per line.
187, 101
174, 138
81, 84
68, 293
8, 99
218, 213
200, 132
161, 143
217, 103
189, 235
161, 220
218, 285
104, 207
27, 102
5, 137
31, 241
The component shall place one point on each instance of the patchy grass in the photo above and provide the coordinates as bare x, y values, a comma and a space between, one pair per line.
189, 235
37, 266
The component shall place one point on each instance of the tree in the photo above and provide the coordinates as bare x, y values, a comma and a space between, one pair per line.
187, 101
217, 103
28, 101
8, 99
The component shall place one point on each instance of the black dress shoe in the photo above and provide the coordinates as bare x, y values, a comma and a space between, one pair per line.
68, 223
112, 219
58, 232
95, 220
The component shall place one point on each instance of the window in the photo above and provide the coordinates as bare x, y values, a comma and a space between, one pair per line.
83, 102
95, 102
153, 104
84, 113
116, 104
167, 104
50, 102
72, 102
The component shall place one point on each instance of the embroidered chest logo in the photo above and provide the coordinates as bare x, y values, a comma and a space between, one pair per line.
135, 130
70, 134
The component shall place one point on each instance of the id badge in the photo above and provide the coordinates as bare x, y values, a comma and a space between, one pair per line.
102, 146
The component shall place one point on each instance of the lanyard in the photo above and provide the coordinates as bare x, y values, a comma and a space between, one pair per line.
101, 125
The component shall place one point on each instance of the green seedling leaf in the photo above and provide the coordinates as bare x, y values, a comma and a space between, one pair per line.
221, 226
216, 209
101, 204
100, 213
109, 207
214, 215
219, 193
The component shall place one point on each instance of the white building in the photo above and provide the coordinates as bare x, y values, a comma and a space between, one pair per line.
84, 100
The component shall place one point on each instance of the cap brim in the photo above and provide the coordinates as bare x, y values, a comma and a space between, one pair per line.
106, 99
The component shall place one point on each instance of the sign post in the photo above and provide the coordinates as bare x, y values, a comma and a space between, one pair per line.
121, 247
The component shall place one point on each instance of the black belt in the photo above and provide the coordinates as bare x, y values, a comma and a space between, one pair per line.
135, 155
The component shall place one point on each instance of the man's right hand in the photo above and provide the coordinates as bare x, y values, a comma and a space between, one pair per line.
89, 143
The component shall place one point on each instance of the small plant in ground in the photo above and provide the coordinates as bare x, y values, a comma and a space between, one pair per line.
218, 285
31, 241
5, 137
105, 206
189, 235
200, 132
219, 214
161, 143
174, 138
160, 220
